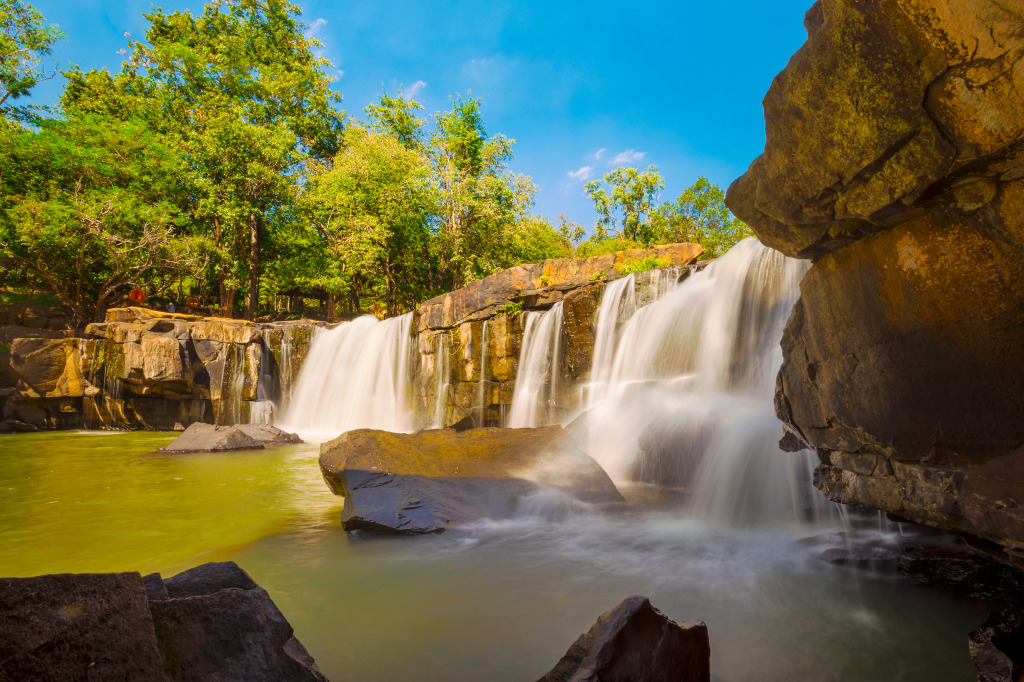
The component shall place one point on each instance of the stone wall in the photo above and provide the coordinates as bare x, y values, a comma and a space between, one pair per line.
145, 369
895, 161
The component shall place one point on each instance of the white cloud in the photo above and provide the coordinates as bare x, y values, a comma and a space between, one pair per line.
599, 153
341, 73
581, 174
626, 157
315, 27
413, 89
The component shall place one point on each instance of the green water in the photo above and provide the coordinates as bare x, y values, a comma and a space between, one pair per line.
502, 601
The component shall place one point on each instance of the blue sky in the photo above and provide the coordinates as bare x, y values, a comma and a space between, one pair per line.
581, 86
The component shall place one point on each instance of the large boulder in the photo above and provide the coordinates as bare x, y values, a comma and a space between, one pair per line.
200, 437
634, 642
895, 160
77, 627
212, 622
431, 481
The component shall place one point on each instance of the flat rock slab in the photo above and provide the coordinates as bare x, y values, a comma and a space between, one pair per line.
431, 481
200, 437
633, 642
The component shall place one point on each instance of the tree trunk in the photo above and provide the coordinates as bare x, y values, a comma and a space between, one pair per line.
330, 306
227, 299
252, 295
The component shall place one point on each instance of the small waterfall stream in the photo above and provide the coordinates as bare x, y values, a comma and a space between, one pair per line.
533, 402
356, 376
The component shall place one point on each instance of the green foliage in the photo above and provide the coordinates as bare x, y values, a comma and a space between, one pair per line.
545, 280
86, 216
599, 275
24, 41
371, 208
599, 247
700, 215
240, 91
511, 308
632, 265
624, 200
4, 347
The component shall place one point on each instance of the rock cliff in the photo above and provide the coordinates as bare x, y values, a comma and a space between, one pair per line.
894, 160
146, 369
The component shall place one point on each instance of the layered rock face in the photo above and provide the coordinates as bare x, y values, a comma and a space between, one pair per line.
895, 161
147, 369
469, 341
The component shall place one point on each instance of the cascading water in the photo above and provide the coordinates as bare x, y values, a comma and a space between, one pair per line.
685, 399
536, 391
617, 305
355, 376
442, 380
481, 396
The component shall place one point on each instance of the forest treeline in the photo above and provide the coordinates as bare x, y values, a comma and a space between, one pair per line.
217, 161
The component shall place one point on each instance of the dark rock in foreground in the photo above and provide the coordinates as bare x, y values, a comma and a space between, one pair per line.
201, 437
209, 623
636, 642
430, 481
997, 647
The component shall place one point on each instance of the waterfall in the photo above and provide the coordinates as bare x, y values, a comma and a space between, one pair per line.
683, 391
537, 378
617, 305
355, 376
482, 391
442, 380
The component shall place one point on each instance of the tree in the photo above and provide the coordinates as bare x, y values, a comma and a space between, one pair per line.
372, 207
24, 41
479, 202
624, 200
244, 97
571, 234
83, 212
700, 215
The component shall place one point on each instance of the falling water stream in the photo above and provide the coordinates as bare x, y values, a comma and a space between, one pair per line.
679, 400
537, 378
356, 376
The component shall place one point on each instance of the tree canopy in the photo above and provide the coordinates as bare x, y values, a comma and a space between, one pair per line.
217, 158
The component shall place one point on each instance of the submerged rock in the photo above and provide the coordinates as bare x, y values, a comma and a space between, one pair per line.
201, 437
894, 159
633, 642
430, 481
209, 623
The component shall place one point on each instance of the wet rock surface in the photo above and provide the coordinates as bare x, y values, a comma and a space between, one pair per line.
212, 438
894, 160
209, 623
635, 641
432, 481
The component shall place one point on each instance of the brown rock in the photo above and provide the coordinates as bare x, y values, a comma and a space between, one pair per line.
894, 158
433, 480
200, 437
633, 642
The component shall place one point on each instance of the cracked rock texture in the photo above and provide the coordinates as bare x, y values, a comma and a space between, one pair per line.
895, 161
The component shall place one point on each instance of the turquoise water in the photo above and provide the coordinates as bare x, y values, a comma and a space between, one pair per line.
501, 601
